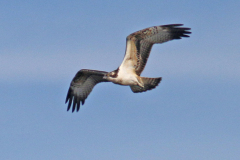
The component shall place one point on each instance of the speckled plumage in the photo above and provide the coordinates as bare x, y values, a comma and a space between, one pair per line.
139, 45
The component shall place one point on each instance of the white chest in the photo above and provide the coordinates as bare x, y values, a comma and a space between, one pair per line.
126, 77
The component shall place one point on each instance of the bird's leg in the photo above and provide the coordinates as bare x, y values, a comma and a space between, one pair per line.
140, 82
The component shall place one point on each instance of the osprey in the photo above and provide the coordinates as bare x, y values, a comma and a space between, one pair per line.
138, 48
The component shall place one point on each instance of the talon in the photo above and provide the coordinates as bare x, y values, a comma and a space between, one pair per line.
141, 85
140, 82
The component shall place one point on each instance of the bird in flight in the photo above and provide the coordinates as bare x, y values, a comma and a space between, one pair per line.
138, 48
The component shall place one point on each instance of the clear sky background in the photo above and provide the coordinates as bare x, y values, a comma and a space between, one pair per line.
193, 114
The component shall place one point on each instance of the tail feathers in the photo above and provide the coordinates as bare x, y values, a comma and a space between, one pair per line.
149, 83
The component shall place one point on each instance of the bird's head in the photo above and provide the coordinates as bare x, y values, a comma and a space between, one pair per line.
111, 75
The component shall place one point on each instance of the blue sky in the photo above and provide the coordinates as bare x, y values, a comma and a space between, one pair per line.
192, 114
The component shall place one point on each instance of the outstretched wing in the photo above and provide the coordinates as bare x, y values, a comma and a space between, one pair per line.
81, 86
139, 44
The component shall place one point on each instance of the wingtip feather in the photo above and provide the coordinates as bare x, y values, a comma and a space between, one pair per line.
78, 105
171, 25
74, 104
69, 104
